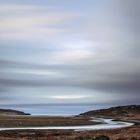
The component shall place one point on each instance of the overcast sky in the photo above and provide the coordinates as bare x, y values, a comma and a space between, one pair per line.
69, 51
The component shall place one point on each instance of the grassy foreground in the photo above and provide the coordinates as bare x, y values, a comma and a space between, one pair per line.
131, 133
26, 121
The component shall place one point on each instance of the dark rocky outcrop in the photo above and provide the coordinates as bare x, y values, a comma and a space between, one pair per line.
101, 138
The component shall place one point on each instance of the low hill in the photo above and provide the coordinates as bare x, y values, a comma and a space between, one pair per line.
12, 112
130, 112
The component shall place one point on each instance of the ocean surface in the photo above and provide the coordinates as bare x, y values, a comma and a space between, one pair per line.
53, 109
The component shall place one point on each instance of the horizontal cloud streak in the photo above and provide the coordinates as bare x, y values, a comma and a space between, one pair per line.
26, 22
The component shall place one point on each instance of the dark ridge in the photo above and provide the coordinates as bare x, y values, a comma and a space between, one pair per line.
114, 111
12, 112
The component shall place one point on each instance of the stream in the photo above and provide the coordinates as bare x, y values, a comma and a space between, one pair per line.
105, 124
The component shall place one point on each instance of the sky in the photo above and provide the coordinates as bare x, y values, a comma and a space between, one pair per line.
69, 51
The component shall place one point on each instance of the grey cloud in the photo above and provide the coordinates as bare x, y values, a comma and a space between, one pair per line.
89, 76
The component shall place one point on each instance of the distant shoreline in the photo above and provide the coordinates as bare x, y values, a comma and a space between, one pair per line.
57, 113
117, 110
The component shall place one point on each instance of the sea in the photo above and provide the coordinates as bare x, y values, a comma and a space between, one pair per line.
53, 109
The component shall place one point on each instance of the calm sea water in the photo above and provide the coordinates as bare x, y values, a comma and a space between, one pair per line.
52, 109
